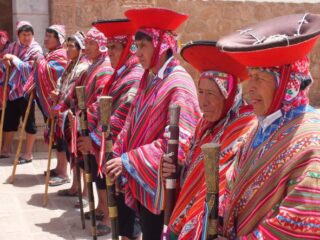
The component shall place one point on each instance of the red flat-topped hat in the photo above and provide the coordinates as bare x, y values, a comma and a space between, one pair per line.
158, 18
115, 27
275, 42
205, 56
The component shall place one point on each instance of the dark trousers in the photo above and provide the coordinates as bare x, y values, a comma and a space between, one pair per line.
151, 224
16, 110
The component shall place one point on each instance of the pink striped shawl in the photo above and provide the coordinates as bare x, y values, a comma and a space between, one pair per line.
275, 191
143, 140
22, 66
45, 76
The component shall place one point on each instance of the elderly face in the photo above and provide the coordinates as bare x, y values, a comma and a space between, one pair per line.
115, 50
211, 100
144, 52
72, 51
25, 38
92, 49
50, 41
261, 89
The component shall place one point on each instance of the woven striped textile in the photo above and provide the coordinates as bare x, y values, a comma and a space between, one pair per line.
187, 219
275, 192
143, 140
45, 76
21, 67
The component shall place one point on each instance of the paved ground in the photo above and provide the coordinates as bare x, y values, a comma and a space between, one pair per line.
22, 215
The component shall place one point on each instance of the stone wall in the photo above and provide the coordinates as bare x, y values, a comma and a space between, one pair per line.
34, 11
209, 19
6, 16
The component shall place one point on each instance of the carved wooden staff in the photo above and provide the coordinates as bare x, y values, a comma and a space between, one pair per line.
24, 123
52, 126
172, 151
105, 113
80, 91
4, 103
211, 169
74, 160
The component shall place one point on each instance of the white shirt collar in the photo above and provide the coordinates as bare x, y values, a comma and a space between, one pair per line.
265, 122
163, 68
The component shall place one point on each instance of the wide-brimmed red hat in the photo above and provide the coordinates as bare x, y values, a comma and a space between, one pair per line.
159, 18
115, 27
205, 56
275, 42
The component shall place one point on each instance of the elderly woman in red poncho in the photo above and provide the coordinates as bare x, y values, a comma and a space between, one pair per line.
274, 186
227, 120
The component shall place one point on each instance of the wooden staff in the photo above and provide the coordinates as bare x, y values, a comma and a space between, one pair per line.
24, 123
45, 197
211, 169
172, 151
4, 103
78, 175
80, 91
105, 113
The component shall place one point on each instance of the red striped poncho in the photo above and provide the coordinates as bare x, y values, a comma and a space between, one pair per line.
65, 87
122, 90
45, 76
22, 65
275, 192
94, 79
143, 140
187, 219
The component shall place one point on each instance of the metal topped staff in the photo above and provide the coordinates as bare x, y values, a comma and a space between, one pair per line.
105, 113
172, 151
80, 91
211, 170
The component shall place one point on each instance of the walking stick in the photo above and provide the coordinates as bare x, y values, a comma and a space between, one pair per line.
75, 161
80, 91
211, 169
4, 103
16, 159
45, 197
172, 151
105, 113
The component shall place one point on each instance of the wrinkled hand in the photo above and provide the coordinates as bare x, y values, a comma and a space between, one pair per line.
54, 95
7, 58
84, 144
114, 168
168, 167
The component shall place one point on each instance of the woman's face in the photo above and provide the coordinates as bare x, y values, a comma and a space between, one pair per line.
92, 49
145, 51
72, 51
50, 41
115, 50
211, 100
261, 88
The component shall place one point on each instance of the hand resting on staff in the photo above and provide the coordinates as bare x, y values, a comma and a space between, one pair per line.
85, 145
114, 167
168, 167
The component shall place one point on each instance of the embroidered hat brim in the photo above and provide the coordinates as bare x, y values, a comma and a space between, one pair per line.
115, 27
275, 42
205, 56
158, 18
